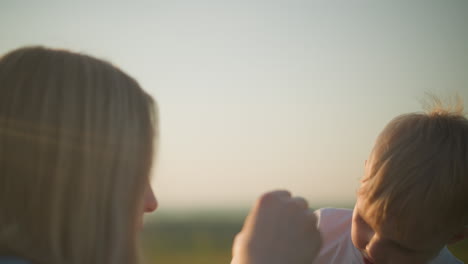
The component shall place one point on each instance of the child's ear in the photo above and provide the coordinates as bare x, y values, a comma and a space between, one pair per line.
460, 236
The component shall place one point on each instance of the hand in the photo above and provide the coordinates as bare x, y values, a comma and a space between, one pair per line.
279, 229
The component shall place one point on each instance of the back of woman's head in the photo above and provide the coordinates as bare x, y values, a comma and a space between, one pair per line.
76, 145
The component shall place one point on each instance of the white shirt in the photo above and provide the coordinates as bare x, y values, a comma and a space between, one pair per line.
337, 247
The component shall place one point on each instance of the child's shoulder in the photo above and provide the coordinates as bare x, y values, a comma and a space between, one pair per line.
335, 215
334, 223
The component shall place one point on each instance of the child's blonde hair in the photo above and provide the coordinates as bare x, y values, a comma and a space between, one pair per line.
76, 147
417, 173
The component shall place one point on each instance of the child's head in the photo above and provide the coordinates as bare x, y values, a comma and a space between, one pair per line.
76, 146
413, 198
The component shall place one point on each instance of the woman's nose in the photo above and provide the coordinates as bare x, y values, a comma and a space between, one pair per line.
151, 203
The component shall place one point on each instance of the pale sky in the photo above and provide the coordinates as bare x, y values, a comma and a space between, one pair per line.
257, 95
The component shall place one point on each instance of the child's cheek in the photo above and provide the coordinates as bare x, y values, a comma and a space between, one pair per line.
357, 236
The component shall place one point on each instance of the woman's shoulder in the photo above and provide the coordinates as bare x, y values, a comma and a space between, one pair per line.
13, 260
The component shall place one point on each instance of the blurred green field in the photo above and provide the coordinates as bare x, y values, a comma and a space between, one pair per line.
193, 238
206, 239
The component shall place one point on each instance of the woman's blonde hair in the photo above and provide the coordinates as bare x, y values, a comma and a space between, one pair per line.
417, 173
76, 147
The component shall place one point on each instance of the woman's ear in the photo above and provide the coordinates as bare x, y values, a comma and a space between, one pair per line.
460, 236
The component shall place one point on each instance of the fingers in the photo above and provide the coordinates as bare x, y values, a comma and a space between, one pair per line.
278, 194
313, 217
279, 229
281, 198
273, 198
281, 193
238, 240
300, 202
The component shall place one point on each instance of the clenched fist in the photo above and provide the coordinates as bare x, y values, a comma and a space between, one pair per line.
279, 229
